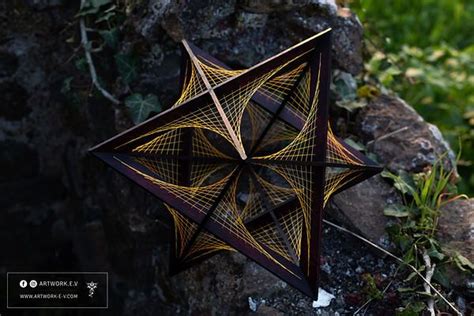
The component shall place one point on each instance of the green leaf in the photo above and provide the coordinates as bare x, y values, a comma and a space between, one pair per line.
440, 276
81, 64
66, 86
351, 105
412, 72
410, 276
403, 182
140, 107
92, 7
127, 66
396, 211
406, 247
463, 263
110, 37
434, 253
412, 309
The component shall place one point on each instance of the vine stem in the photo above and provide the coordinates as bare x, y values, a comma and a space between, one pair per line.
90, 62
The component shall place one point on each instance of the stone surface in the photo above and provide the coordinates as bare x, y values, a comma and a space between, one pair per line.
242, 33
456, 227
400, 137
361, 207
456, 234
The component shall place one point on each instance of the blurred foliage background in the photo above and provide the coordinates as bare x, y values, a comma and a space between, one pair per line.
424, 51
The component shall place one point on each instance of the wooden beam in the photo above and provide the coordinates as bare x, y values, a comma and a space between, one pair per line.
238, 146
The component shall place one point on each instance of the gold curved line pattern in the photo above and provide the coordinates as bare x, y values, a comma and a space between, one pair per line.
265, 203
200, 198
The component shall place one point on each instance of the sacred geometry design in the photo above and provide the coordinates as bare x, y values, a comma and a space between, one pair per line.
245, 160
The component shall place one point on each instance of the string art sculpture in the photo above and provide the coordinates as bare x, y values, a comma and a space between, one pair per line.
245, 160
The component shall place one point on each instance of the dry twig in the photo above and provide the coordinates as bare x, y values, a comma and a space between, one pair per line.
428, 275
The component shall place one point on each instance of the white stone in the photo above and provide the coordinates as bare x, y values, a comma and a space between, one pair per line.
324, 299
253, 304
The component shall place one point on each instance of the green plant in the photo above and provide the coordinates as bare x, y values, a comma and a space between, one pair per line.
101, 22
428, 59
420, 23
414, 228
370, 288
439, 83
140, 107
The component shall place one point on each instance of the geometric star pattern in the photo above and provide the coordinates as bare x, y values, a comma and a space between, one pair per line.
245, 160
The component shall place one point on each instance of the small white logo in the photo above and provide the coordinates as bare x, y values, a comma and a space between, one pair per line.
33, 284
91, 286
23, 283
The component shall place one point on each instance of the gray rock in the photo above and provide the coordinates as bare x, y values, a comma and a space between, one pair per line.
456, 227
347, 42
361, 208
400, 137
246, 32
456, 235
286, 5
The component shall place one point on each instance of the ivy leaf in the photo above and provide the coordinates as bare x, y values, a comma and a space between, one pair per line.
127, 66
140, 107
396, 211
110, 37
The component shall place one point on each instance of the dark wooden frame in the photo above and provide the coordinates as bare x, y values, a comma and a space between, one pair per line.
304, 277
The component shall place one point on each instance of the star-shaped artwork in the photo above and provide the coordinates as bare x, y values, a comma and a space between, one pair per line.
245, 160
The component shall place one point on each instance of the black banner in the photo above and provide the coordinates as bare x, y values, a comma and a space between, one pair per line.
57, 290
